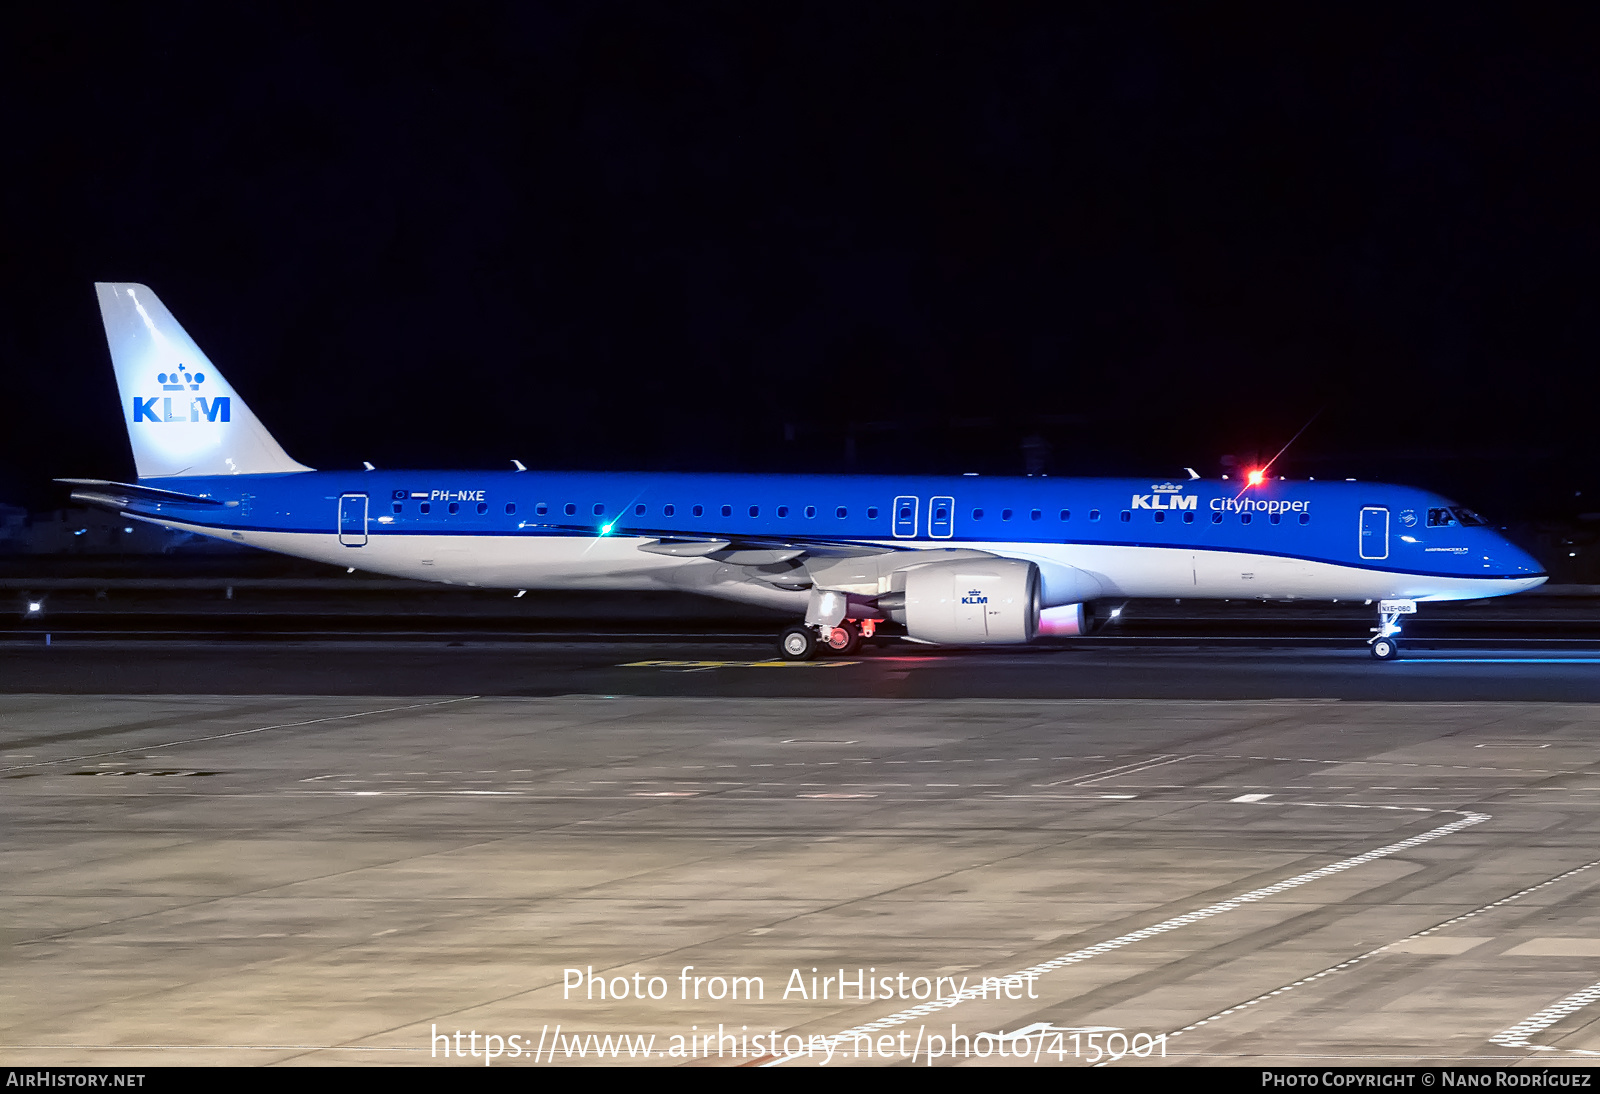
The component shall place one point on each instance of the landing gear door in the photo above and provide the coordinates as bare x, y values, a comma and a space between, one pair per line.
941, 517
905, 517
353, 520
1374, 532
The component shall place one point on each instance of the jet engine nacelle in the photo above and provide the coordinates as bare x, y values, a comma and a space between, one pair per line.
971, 601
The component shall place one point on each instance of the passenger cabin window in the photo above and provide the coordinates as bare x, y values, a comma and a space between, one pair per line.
727, 510
1036, 515
977, 514
668, 510
840, 512
599, 509
542, 508
1244, 518
699, 510
1161, 518
1305, 518
872, 512
1188, 518
483, 507
511, 508
1276, 518
398, 508
811, 510
1066, 514
455, 507
1094, 514
1216, 518
570, 510
425, 508
1005, 514
1127, 515
755, 510
638, 510
783, 510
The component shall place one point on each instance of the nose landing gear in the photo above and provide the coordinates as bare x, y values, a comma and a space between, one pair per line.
1385, 647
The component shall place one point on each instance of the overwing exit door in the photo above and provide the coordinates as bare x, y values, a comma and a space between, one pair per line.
905, 517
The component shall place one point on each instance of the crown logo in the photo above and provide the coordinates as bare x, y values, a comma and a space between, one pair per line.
1166, 488
974, 592
177, 381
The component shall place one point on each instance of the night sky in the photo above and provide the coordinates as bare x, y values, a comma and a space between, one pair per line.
868, 237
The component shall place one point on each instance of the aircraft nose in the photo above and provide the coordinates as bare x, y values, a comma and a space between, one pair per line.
1513, 560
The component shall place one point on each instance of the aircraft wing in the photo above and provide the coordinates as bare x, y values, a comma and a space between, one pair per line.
854, 566
731, 547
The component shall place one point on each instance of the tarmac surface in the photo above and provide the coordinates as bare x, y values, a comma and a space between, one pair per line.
286, 850
417, 664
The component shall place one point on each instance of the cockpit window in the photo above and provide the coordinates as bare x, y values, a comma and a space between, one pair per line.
1468, 517
1440, 518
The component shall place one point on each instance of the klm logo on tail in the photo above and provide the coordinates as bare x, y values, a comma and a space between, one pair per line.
200, 408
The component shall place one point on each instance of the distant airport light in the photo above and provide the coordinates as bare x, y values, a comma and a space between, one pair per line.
1256, 478
35, 607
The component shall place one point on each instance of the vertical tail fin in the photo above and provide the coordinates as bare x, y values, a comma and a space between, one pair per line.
183, 418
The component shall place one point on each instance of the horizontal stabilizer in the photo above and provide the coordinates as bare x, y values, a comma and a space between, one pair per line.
120, 495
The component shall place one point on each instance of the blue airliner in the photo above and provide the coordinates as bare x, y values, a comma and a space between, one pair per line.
962, 561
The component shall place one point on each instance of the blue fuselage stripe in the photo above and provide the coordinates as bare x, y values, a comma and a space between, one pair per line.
1371, 526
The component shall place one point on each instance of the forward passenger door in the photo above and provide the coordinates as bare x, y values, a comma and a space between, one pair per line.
1374, 532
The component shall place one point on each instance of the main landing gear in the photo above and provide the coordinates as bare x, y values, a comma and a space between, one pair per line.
802, 642
1385, 646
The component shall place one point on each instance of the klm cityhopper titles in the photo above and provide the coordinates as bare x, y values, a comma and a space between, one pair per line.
941, 560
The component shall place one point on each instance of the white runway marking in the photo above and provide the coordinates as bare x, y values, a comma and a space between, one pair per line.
1387, 947
1124, 769
240, 733
1187, 919
1517, 1036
